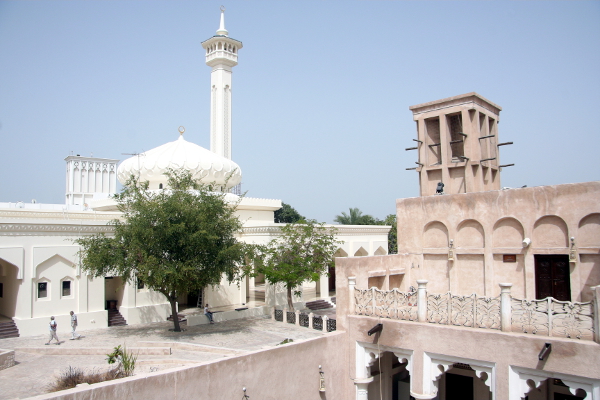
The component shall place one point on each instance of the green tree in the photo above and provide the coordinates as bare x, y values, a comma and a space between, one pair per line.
393, 234
287, 214
174, 241
356, 217
303, 252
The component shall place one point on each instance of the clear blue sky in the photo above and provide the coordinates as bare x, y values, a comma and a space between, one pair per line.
320, 95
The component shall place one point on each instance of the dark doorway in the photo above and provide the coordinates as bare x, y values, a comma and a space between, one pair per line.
552, 277
459, 387
194, 299
331, 280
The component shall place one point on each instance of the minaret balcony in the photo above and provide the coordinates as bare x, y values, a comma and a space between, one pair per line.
221, 57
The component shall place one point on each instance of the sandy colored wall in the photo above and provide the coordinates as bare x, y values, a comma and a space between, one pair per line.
573, 357
286, 372
486, 225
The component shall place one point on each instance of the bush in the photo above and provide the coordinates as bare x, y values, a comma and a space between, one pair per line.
73, 376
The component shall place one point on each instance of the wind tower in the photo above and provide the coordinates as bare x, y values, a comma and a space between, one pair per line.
221, 56
457, 145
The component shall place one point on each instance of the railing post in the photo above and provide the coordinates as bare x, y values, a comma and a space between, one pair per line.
297, 317
596, 304
351, 286
311, 315
273, 313
505, 306
325, 318
284, 319
422, 300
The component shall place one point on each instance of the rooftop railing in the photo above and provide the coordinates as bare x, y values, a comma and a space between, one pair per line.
546, 317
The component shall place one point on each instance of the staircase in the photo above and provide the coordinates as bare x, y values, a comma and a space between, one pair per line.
115, 318
8, 330
319, 305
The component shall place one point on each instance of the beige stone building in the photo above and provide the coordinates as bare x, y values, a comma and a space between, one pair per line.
493, 293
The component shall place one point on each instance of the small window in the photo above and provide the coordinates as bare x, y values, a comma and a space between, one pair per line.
66, 288
160, 186
42, 290
1, 290
140, 284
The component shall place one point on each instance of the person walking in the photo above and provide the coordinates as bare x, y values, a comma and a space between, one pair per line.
53, 326
208, 314
74, 335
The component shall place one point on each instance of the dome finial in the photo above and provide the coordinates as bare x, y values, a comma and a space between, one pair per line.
181, 130
222, 31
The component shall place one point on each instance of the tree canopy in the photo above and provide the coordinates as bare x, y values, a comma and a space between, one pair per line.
287, 214
355, 217
303, 252
176, 240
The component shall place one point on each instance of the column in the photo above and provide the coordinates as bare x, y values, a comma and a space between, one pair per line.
324, 285
505, 306
351, 286
596, 291
422, 300
362, 388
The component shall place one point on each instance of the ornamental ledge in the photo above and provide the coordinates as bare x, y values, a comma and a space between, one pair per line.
59, 215
49, 229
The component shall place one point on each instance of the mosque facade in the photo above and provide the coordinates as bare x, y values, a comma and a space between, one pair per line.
40, 274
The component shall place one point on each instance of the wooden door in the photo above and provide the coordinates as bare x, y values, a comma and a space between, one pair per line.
552, 277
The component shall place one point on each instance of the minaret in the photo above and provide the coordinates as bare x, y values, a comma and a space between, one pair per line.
221, 55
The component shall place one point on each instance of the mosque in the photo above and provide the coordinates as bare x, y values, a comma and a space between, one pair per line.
40, 272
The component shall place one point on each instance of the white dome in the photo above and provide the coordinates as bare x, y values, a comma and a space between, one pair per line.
205, 166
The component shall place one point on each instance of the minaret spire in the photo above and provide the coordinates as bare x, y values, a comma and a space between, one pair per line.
222, 31
221, 56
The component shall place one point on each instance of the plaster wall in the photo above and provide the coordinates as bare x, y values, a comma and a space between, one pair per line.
485, 226
502, 350
284, 372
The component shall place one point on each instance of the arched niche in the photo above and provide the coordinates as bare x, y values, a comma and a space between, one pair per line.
508, 232
588, 234
435, 235
55, 267
340, 253
470, 235
550, 231
380, 251
361, 252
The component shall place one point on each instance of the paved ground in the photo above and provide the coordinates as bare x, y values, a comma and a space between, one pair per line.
35, 370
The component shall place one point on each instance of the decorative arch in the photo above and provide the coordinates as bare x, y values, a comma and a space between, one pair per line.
521, 381
508, 232
435, 235
550, 231
42, 267
588, 234
380, 251
470, 234
340, 253
361, 252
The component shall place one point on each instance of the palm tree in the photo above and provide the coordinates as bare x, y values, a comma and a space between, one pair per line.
356, 217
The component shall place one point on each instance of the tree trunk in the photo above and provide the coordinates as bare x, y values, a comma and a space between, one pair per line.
289, 299
173, 300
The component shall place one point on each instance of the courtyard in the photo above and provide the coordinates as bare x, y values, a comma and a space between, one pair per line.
159, 349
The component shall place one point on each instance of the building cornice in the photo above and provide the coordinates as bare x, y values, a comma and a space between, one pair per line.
33, 229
